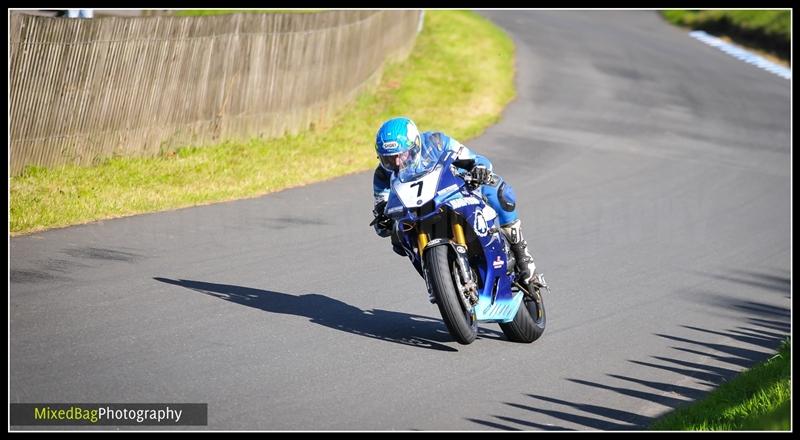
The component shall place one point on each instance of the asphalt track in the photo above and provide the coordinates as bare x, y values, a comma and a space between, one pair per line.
653, 178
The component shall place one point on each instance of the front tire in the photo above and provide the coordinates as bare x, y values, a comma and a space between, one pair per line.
460, 323
529, 322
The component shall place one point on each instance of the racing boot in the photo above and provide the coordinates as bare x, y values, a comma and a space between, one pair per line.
525, 265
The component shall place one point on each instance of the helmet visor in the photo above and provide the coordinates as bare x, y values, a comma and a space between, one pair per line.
404, 160
390, 162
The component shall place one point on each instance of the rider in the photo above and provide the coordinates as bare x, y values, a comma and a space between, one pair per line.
399, 137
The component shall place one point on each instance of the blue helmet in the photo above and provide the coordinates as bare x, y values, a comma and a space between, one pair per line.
398, 141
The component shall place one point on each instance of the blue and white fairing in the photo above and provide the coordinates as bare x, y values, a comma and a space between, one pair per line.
437, 180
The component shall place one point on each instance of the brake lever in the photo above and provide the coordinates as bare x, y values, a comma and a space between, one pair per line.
470, 181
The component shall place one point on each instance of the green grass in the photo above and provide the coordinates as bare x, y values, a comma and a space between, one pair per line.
458, 79
757, 399
766, 30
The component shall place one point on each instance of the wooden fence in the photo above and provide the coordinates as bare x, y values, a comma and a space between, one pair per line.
87, 89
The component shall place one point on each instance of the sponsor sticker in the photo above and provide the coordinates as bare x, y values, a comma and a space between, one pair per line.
462, 202
497, 263
489, 212
480, 225
434, 242
449, 189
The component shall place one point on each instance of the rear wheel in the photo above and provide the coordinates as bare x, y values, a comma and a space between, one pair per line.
441, 264
529, 322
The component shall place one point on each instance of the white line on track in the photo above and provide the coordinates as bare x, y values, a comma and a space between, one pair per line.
742, 54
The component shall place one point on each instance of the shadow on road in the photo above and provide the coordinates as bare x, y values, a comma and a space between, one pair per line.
698, 360
771, 282
401, 328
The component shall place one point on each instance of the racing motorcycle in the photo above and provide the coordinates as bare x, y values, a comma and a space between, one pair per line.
453, 239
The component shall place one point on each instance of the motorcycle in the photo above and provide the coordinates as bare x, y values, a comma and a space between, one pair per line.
453, 239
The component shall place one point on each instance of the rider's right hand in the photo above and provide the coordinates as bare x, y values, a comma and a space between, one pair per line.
377, 211
382, 223
384, 227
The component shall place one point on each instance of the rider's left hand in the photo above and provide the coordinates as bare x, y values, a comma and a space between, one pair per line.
481, 174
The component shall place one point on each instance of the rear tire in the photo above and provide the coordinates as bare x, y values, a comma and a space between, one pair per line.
529, 322
440, 264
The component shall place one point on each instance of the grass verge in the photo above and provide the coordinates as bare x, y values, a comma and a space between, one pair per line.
759, 399
764, 30
458, 79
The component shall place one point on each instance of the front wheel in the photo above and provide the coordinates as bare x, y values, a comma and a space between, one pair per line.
460, 322
528, 324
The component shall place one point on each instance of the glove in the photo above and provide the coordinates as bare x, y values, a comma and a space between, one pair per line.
379, 208
382, 223
481, 174
383, 227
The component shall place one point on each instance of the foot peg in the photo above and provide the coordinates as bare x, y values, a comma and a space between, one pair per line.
539, 282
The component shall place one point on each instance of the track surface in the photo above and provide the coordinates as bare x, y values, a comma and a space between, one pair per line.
653, 178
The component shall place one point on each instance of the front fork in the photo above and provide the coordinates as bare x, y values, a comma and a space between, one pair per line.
458, 236
465, 282
468, 287
422, 241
